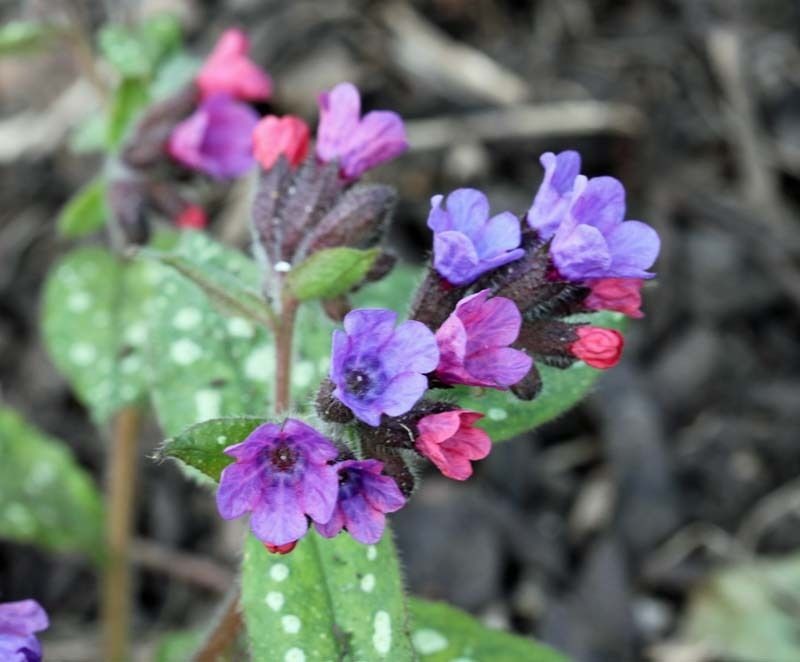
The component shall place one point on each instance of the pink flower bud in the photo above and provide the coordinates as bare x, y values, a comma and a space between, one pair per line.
599, 348
229, 70
273, 136
451, 441
623, 295
280, 549
192, 217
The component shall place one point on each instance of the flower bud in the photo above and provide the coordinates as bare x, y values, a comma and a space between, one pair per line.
193, 217
280, 549
623, 295
330, 408
273, 136
597, 347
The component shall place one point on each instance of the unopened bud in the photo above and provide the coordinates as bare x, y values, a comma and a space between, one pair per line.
280, 549
597, 347
276, 136
329, 407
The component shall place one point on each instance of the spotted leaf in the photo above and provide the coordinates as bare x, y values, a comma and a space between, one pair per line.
327, 600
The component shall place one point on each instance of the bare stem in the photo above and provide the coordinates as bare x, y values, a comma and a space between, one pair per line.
221, 638
284, 335
119, 522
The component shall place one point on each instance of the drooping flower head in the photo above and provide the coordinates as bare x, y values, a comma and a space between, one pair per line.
585, 218
598, 347
623, 295
451, 441
229, 70
19, 621
281, 475
474, 343
466, 242
379, 369
365, 496
358, 143
273, 136
217, 139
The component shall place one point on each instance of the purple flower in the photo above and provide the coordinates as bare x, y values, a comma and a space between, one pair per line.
217, 139
378, 369
466, 242
365, 495
585, 218
359, 143
18, 622
474, 340
281, 474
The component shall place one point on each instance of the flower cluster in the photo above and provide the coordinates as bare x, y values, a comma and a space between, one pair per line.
19, 623
497, 300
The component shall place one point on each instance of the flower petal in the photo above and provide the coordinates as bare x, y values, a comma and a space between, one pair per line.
580, 253
455, 258
412, 347
500, 234
382, 492
278, 518
363, 522
239, 489
634, 247
488, 322
22, 617
402, 393
601, 204
555, 192
499, 367
320, 488
339, 115
379, 137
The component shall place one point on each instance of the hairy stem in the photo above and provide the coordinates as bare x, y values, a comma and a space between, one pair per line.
119, 523
284, 336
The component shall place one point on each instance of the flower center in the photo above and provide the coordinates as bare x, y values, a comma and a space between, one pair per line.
358, 382
283, 458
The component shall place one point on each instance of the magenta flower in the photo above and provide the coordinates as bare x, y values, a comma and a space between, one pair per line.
365, 496
451, 441
281, 475
358, 143
466, 242
473, 343
229, 70
379, 369
623, 295
585, 218
217, 139
18, 623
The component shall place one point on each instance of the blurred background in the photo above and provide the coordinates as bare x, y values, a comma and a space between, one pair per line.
660, 519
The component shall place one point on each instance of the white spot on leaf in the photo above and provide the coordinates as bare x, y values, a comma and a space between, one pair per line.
372, 552
239, 327
279, 572
185, 352
79, 301
294, 655
82, 353
382, 636
497, 414
187, 318
282, 267
368, 583
259, 364
274, 600
428, 642
291, 624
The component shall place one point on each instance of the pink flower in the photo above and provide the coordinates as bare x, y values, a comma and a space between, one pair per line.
192, 217
358, 143
217, 139
623, 295
599, 348
473, 343
451, 441
229, 70
273, 136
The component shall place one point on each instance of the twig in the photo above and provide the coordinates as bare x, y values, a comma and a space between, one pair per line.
119, 520
189, 568
426, 52
565, 118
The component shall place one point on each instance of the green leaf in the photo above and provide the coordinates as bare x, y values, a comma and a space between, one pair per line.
130, 97
125, 50
20, 37
507, 416
330, 272
162, 37
95, 327
46, 498
86, 211
747, 612
228, 294
201, 445
328, 600
176, 72
441, 633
